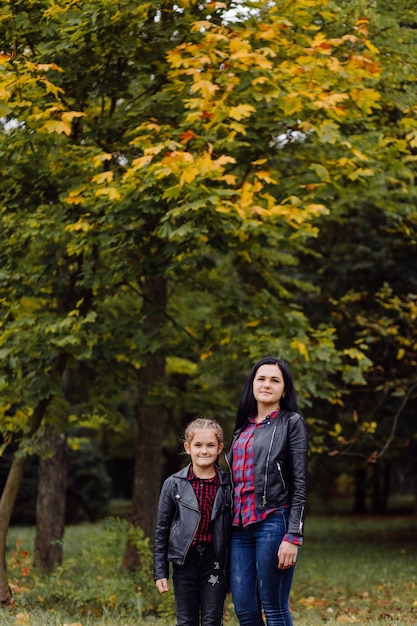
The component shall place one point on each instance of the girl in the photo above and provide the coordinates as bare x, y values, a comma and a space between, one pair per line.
193, 529
268, 460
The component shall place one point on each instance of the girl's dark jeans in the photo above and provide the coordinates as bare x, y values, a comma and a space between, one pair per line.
200, 588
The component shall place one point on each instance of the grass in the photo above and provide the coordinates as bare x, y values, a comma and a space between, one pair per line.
350, 570
357, 570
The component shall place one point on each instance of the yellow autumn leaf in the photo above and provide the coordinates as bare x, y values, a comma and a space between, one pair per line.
318, 40
266, 177
201, 25
142, 161
223, 160
45, 67
175, 57
317, 209
103, 177
259, 80
218, 5
239, 48
105, 156
229, 179
241, 111
400, 354
301, 348
371, 46
111, 192
68, 116
292, 104
331, 100
260, 60
75, 197
189, 175
253, 324
81, 225
246, 194
361, 172
58, 127
206, 87
5, 94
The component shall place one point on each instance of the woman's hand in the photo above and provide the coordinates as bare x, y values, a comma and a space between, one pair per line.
287, 555
162, 585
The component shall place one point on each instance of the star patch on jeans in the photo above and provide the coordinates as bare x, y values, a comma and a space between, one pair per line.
213, 580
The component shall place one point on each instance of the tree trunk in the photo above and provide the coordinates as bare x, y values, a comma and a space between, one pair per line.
359, 502
50, 504
381, 487
7, 501
147, 468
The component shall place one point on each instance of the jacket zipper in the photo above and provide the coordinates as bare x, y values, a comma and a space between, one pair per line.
266, 467
192, 537
280, 473
300, 523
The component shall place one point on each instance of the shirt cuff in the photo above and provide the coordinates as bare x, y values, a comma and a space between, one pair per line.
292, 538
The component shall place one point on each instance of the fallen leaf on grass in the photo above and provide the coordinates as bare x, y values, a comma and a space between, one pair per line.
311, 601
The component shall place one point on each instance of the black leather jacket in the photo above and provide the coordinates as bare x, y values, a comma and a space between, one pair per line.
178, 518
280, 449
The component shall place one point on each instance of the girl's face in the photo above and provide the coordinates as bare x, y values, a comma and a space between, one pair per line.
268, 386
204, 448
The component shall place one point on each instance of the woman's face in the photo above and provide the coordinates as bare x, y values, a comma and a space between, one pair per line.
268, 386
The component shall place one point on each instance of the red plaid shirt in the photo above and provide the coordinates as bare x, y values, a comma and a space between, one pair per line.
244, 509
205, 490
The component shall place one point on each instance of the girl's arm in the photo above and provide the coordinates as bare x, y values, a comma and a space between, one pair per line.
166, 509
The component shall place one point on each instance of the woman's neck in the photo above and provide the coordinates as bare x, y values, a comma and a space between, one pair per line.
264, 411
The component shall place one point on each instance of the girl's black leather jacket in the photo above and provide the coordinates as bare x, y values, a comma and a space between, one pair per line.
280, 450
178, 518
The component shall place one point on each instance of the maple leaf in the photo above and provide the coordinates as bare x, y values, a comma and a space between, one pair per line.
186, 135
241, 111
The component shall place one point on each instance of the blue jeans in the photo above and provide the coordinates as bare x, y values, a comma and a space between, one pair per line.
258, 587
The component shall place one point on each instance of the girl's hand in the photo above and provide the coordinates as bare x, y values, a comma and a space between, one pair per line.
162, 585
287, 555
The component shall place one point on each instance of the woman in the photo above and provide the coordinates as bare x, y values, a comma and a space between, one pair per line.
268, 461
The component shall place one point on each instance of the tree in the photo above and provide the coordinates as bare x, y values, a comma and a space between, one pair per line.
367, 285
152, 155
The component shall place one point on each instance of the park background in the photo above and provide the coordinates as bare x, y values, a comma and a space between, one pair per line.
186, 187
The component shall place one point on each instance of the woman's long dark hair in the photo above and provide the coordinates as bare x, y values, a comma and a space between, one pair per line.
248, 405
